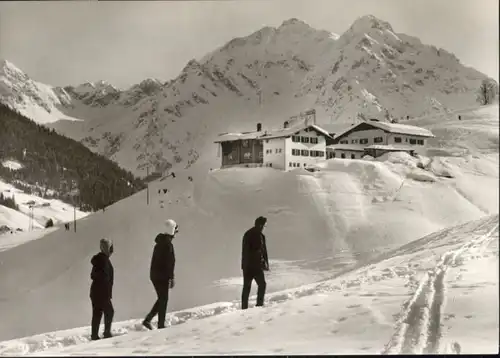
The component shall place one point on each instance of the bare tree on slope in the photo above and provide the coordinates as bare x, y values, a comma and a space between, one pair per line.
487, 92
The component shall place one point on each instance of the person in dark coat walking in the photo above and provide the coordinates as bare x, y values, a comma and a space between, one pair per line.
254, 262
162, 273
101, 289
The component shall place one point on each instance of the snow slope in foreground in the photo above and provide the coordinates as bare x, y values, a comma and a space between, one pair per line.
438, 294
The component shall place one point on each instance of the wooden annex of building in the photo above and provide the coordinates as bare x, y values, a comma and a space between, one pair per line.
245, 149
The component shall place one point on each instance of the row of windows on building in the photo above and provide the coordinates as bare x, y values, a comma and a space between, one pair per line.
381, 140
302, 139
362, 141
295, 165
276, 151
331, 155
290, 164
308, 153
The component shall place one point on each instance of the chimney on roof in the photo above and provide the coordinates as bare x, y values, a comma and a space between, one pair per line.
285, 124
259, 127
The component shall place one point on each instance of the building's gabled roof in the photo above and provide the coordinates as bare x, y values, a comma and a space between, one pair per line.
351, 147
277, 133
286, 132
334, 128
229, 137
403, 129
391, 128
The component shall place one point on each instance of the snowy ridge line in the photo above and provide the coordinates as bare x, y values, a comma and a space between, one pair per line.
419, 328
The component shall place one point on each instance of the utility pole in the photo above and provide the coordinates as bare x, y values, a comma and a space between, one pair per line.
74, 194
260, 87
74, 213
31, 218
147, 184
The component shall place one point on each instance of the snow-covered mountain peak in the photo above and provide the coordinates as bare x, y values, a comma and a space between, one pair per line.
150, 85
293, 23
369, 22
11, 72
366, 28
191, 65
81, 89
6, 65
150, 81
255, 38
292, 38
100, 93
87, 84
88, 87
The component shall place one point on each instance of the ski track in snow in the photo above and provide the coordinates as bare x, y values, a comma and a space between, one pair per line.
419, 328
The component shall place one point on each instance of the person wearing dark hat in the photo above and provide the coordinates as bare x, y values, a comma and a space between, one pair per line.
101, 289
162, 273
254, 262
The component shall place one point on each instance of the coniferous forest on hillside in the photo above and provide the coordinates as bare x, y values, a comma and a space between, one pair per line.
55, 166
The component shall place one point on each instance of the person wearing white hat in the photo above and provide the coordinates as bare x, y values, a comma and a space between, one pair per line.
162, 272
101, 290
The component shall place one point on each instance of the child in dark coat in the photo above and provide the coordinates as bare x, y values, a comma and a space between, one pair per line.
101, 289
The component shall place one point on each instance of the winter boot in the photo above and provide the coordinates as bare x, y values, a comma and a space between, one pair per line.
147, 324
107, 335
94, 338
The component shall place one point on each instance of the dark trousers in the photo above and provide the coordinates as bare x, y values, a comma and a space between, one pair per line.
160, 306
98, 309
248, 277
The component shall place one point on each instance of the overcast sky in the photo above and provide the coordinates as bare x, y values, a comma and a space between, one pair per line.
65, 42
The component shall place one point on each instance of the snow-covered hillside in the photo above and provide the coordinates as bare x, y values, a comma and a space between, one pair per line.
462, 133
18, 222
319, 223
438, 294
370, 70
